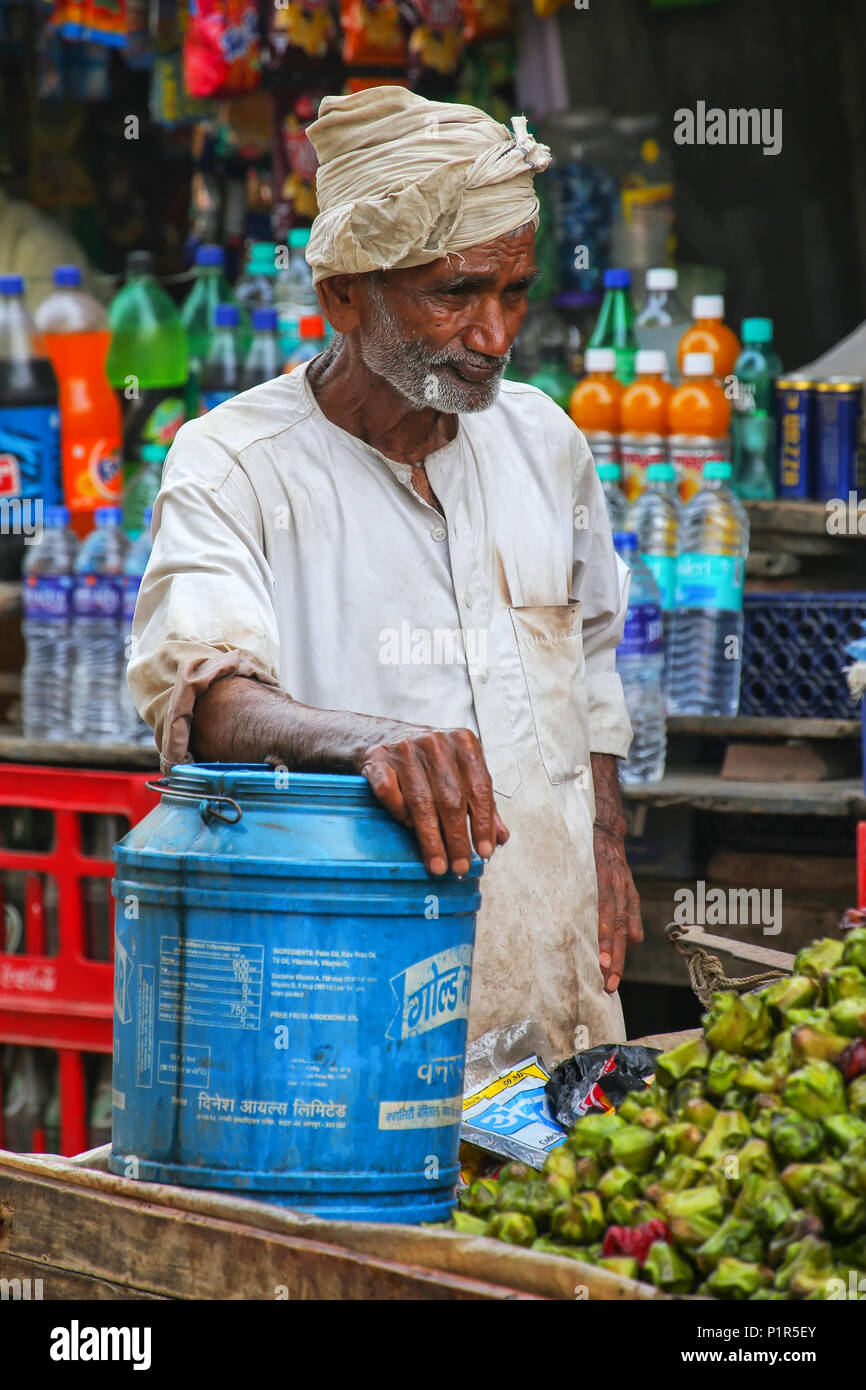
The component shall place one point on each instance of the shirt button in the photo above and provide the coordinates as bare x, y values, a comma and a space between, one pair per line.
467, 599
438, 533
484, 676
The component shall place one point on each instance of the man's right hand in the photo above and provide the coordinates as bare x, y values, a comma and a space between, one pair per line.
434, 780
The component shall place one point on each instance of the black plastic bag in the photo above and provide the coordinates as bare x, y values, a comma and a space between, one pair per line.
599, 1078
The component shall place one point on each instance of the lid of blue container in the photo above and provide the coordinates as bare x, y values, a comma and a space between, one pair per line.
624, 540
210, 254
11, 284
55, 516
226, 316
108, 516
67, 276
617, 279
265, 320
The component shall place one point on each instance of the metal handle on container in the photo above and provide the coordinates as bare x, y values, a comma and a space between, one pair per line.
205, 804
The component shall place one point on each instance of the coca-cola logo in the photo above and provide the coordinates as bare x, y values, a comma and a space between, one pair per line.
36, 979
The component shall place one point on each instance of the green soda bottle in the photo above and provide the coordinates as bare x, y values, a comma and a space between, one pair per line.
552, 376
210, 288
615, 324
753, 420
147, 360
141, 483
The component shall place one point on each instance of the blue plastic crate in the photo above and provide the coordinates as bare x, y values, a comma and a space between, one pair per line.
794, 654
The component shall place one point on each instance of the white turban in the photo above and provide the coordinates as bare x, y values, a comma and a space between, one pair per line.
403, 181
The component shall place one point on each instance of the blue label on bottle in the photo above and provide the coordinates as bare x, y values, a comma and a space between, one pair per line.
211, 398
711, 582
97, 596
131, 586
30, 453
644, 631
663, 569
47, 598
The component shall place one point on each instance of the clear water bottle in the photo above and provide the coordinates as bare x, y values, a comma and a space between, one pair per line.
295, 296
134, 729
98, 630
706, 649
655, 519
663, 319
639, 664
615, 498
263, 361
47, 595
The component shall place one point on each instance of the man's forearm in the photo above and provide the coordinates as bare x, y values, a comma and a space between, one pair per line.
608, 801
239, 720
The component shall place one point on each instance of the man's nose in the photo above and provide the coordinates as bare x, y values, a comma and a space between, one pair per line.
489, 332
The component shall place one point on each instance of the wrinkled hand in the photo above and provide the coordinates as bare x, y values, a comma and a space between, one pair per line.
434, 780
619, 920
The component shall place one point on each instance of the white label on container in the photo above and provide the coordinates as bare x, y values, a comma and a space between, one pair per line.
123, 973
432, 992
420, 1114
179, 1065
144, 1028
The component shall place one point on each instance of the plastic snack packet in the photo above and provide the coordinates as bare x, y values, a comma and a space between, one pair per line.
373, 33
221, 49
512, 1115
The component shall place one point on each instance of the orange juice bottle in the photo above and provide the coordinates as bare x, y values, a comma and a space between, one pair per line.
595, 405
699, 415
644, 420
710, 333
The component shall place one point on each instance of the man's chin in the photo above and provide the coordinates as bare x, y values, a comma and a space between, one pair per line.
468, 398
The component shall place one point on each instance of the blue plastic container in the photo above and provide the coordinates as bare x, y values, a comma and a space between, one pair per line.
291, 997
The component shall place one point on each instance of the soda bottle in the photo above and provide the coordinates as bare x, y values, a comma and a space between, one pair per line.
639, 665
47, 628
295, 296
595, 405
615, 499
663, 320
710, 333
75, 333
655, 520
644, 420
311, 330
98, 629
706, 649
209, 289
220, 379
134, 729
23, 1099
141, 484
615, 325
552, 376
147, 361
753, 426
263, 361
699, 414
29, 428
256, 288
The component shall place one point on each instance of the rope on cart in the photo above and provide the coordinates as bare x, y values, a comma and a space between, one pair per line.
707, 975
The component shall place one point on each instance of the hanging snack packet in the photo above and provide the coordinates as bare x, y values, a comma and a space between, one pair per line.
67, 17
487, 19
373, 33
221, 49
307, 26
436, 34
295, 162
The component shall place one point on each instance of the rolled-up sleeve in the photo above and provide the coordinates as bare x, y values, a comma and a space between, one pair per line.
205, 607
600, 580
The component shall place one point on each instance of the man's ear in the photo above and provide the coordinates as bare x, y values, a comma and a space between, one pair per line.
339, 296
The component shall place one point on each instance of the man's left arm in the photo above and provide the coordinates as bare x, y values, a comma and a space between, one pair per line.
600, 580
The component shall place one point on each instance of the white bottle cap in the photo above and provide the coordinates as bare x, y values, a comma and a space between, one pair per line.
698, 364
708, 306
599, 360
662, 278
651, 360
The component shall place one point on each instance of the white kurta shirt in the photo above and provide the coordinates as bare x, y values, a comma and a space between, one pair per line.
286, 548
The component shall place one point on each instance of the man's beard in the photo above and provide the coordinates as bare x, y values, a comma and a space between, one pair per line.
423, 376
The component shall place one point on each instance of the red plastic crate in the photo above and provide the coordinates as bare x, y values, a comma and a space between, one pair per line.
63, 1001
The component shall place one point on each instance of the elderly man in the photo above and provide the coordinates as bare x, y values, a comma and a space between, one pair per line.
391, 562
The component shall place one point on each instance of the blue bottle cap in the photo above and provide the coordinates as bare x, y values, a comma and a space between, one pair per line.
210, 254
757, 330
226, 316
265, 320
55, 516
108, 516
624, 541
148, 517
11, 284
617, 279
154, 453
67, 276
299, 237
717, 469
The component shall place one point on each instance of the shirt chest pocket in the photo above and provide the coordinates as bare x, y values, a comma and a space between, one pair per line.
550, 645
